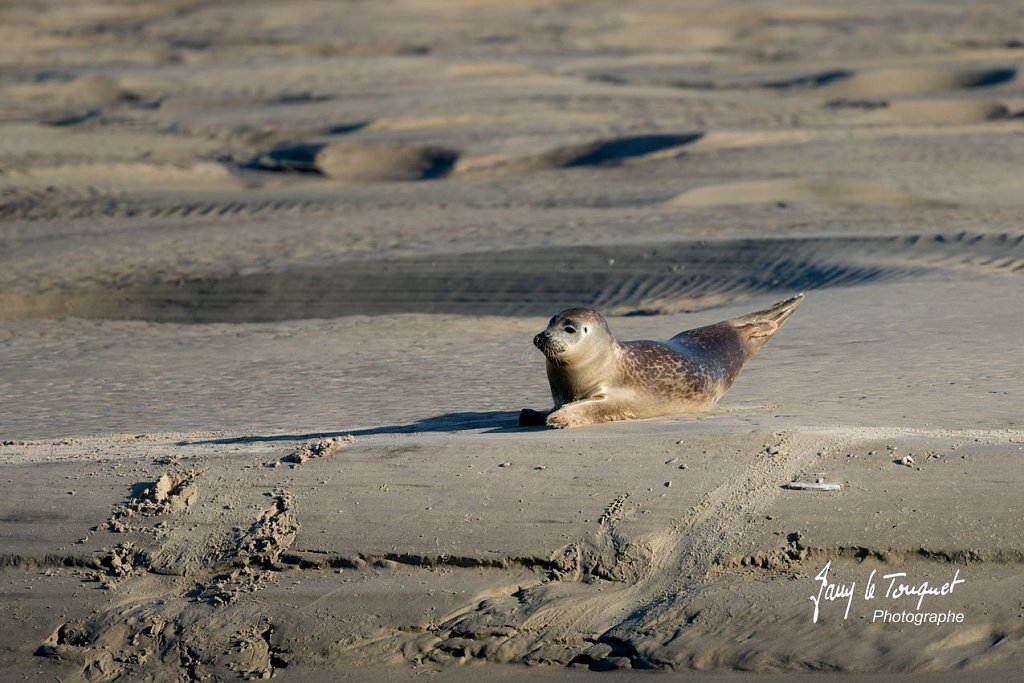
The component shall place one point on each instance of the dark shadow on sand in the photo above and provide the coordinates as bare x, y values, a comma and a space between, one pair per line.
492, 422
610, 152
525, 282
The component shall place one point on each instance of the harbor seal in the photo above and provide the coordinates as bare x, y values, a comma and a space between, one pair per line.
595, 378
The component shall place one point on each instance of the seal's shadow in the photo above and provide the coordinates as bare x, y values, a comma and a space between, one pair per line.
492, 422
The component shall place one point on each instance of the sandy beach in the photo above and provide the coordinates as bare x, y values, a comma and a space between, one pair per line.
269, 276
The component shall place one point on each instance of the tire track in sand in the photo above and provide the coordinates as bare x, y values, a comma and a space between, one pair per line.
620, 586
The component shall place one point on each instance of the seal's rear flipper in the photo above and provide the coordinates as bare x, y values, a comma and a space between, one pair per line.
776, 313
761, 325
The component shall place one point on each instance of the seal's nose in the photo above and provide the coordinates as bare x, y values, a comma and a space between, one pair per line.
540, 339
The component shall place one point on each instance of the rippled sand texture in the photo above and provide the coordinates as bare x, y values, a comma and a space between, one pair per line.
233, 233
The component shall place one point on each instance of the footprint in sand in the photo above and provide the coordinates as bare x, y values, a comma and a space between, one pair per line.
897, 80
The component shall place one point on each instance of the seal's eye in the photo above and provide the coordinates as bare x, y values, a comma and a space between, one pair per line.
570, 329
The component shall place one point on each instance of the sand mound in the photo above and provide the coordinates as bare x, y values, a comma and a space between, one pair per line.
384, 162
946, 111
361, 162
60, 98
913, 80
84, 91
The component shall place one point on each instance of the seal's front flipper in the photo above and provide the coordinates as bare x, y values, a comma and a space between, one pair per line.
590, 411
533, 418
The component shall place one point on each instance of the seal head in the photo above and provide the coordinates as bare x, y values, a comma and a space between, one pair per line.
572, 336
